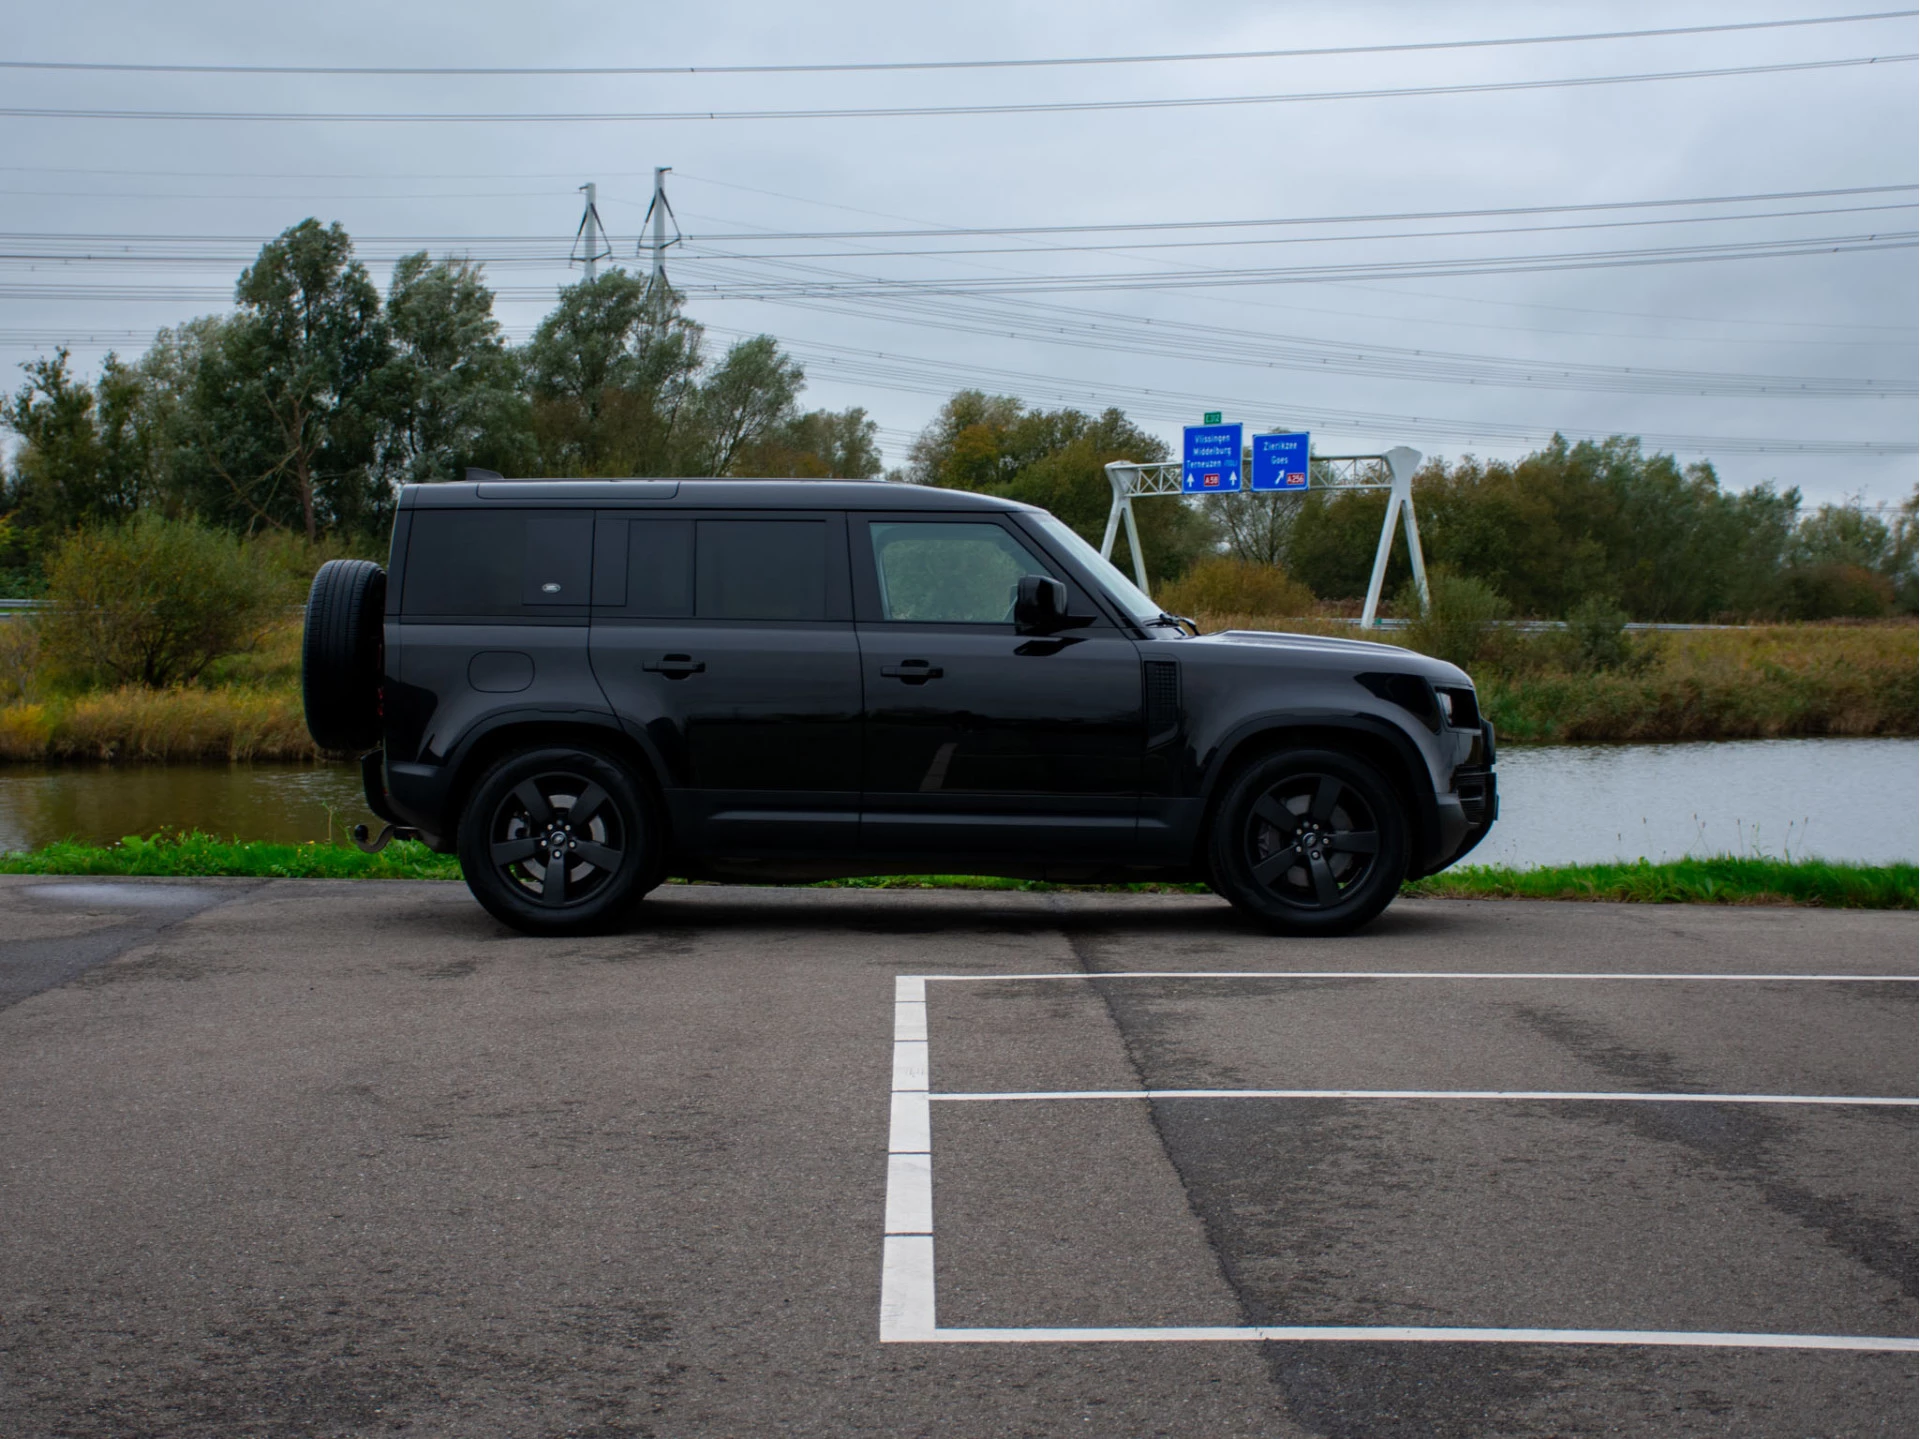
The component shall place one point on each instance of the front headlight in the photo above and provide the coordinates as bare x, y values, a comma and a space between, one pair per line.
1459, 705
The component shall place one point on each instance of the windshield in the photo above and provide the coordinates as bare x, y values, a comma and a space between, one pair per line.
1121, 590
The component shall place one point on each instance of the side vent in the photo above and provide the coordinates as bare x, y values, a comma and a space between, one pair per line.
1163, 701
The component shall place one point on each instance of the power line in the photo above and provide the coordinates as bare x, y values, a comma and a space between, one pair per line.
1311, 274
905, 111
841, 67
1112, 247
933, 231
512, 248
1396, 216
918, 375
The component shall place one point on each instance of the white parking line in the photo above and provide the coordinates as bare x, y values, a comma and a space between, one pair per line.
1596, 1095
1416, 974
907, 1294
1309, 1333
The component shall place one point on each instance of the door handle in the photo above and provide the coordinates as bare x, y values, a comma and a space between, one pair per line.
674, 667
914, 672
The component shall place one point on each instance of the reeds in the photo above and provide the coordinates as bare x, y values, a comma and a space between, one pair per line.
177, 726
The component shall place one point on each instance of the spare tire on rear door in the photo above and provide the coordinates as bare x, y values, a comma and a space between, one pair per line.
340, 658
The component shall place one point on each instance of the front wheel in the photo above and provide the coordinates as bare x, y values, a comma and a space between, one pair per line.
558, 841
1309, 842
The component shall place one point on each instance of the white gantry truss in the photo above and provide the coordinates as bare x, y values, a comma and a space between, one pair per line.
1392, 472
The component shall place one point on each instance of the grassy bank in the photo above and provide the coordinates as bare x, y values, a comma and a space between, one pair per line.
1766, 682
1693, 881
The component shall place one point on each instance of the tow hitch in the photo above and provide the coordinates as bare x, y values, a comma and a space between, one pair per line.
387, 835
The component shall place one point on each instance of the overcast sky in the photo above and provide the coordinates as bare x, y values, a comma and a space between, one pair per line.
1329, 354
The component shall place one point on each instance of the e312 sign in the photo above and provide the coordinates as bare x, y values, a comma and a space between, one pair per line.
1210, 459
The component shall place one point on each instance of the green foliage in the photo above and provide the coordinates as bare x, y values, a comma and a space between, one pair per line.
80, 462
613, 378
1597, 630
152, 601
291, 396
818, 445
1055, 459
194, 855
1574, 521
203, 856
453, 396
1459, 615
1228, 585
1718, 880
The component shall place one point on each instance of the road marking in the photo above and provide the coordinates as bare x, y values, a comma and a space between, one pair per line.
911, 1128
909, 1194
907, 1293
906, 1260
1419, 974
1282, 1334
906, 1290
909, 1064
1598, 1096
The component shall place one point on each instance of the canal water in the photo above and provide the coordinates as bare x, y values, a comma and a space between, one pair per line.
1851, 799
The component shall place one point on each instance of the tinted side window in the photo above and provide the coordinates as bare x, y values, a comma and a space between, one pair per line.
760, 570
660, 568
949, 572
497, 562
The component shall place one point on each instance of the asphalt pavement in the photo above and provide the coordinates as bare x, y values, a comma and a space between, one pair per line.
317, 1159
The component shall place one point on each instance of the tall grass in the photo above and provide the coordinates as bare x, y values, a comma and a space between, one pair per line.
177, 725
1767, 682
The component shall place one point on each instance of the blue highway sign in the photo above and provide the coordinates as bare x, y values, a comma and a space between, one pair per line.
1280, 461
1210, 459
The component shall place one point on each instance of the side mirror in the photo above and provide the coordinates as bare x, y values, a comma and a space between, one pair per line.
1039, 606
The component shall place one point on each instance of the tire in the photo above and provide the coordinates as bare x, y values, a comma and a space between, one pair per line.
526, 802
1309, 842
341, 655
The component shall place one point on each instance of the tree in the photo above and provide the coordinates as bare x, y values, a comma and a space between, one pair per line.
1056, 459
82, 460
452, 383
747, 399
818, 445
613, 378
290, 396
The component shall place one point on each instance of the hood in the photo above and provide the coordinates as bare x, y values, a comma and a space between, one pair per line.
1364, 654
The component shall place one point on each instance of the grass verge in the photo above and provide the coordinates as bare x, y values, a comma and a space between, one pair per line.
1815, 883
1721, 880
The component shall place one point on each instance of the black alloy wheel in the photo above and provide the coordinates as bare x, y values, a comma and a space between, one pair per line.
557, 841
1310, 842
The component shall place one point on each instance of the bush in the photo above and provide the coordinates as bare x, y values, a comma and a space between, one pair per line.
152, 602
1459, 615
1224, 585
1597, 630
19, 657
1837, 591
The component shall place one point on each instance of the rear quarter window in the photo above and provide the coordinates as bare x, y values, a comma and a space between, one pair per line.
497, 563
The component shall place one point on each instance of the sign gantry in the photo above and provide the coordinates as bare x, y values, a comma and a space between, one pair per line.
1280, 466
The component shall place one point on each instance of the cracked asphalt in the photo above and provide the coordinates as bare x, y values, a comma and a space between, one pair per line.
301, 1158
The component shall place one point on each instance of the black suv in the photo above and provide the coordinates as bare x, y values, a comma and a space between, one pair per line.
582, 687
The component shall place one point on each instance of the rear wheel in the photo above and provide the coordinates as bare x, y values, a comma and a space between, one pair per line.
559, 841
1309, 842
